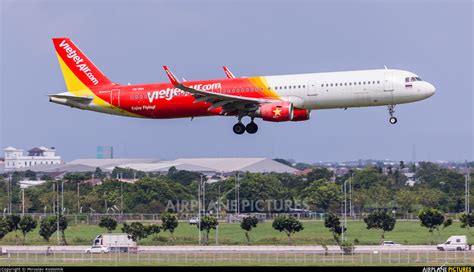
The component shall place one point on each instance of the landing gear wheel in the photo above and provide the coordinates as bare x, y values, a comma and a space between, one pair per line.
391, 111
239, 128
251, 128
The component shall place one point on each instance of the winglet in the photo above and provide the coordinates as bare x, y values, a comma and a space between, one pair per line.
228, 72
170, 75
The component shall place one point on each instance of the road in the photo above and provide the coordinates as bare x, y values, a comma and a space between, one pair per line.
213, 248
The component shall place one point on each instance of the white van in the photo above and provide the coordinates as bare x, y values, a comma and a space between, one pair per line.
120, 242
454, 243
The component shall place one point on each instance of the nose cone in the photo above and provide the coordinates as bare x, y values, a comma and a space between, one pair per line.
429, 90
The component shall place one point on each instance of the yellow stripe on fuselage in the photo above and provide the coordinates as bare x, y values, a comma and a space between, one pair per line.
262, 82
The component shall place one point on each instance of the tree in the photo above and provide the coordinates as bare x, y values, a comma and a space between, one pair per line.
247, 224
62, 228
380, 220
406, 199
367, 178
208, 223
332, 222
323, 194
288, 224
447, 223
467, 220
4, 228
319, 173
108, 223
431, 219
169, 222
136, 230
27, 224
13, 221
152, 229
47, 227
380, 196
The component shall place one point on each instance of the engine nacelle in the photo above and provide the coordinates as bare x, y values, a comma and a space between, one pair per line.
301, 115
276, 112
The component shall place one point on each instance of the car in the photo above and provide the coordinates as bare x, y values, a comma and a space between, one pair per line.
389, 243
194, 221
454, 243
98, 249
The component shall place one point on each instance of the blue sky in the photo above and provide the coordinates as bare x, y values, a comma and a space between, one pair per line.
130, 41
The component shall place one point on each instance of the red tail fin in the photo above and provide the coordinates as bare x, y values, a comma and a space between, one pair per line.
76, 67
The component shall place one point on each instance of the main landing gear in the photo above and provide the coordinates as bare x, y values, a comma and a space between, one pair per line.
240, 128
391, 111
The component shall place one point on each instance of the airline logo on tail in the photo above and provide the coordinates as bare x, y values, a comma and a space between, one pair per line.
72, 54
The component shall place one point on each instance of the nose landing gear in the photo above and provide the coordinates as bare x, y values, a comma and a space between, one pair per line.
391, 111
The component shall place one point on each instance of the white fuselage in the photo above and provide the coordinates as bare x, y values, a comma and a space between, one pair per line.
363, 88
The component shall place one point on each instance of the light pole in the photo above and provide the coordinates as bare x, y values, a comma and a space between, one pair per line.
237, 192
199, 210
78, 198
23, 201
218, 208
351, 213
10, 193
57, 212
62, 196
345, 207
467, 193
121, 197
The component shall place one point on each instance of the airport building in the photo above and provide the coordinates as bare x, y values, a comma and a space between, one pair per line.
16, 159
206, 166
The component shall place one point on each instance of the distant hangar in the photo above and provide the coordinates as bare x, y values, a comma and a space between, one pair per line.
208, 166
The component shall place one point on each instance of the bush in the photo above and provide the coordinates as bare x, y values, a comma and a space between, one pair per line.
347, 247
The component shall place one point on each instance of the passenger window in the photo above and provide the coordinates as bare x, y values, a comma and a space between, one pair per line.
268, 88
378, 81
331, 84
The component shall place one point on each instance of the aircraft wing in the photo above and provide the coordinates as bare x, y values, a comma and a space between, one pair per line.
228, 102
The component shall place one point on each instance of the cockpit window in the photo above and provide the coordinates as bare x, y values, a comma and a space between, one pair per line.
411, 79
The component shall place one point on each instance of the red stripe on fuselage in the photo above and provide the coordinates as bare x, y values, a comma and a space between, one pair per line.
163, 100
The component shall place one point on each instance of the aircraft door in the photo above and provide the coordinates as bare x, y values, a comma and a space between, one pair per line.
312, 88
115, 97
388, 85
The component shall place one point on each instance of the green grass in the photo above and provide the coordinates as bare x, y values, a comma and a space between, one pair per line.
231, 234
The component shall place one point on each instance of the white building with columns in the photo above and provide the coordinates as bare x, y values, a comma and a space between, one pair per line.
15, 159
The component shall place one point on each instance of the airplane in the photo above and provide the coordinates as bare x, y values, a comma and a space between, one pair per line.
277, 98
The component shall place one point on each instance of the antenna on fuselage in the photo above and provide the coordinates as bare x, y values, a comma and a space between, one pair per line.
385, 66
